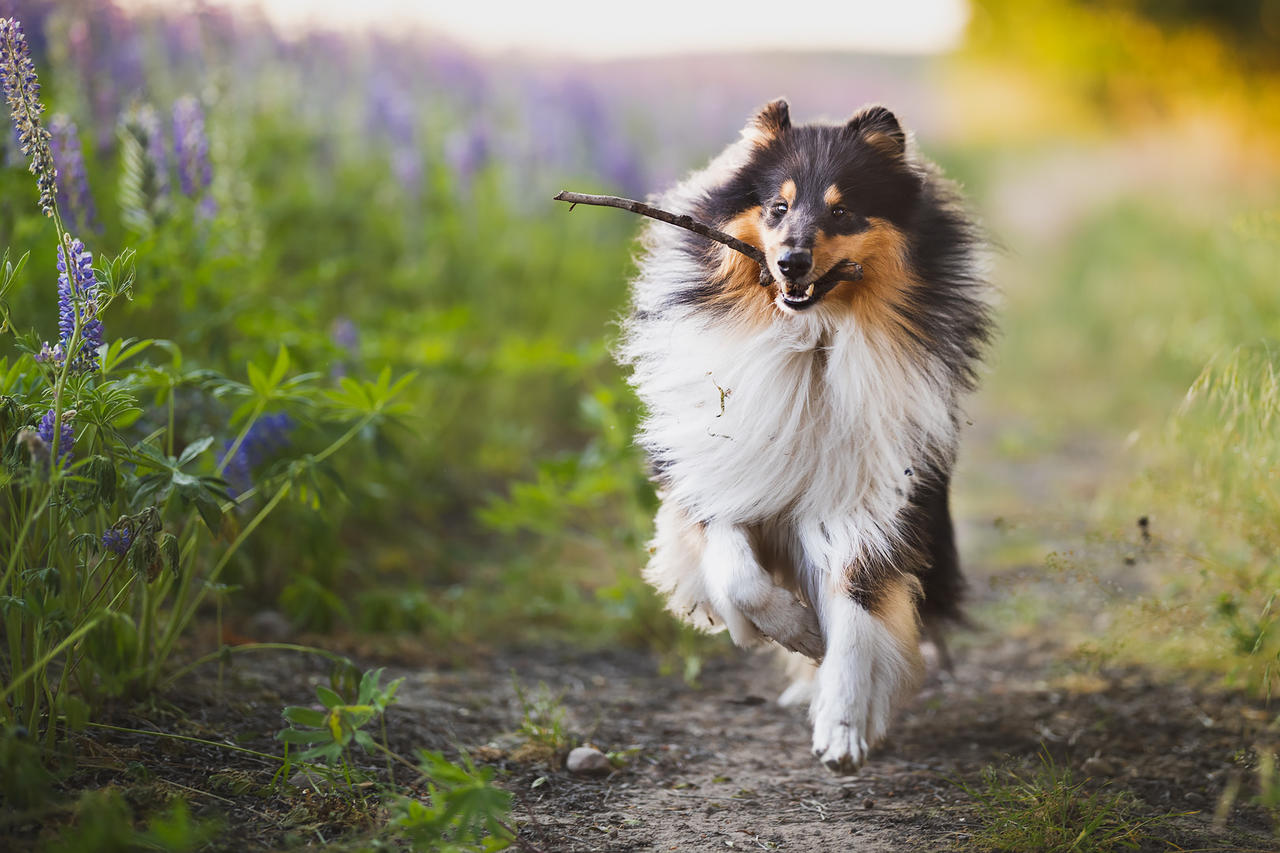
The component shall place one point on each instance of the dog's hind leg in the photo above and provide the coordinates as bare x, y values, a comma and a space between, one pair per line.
943, 585
746, 598
802, 672
872, 662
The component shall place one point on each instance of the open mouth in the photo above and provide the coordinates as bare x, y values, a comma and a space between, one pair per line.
800, 295
800, 299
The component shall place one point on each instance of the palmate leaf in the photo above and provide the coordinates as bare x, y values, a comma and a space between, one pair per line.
206, 492
304, 716
358, 398
116, 277
328, 753
303, 737
371, 694
465, 812
194, 449
121, 350
331, 731
269, 385
328, 697
465, 797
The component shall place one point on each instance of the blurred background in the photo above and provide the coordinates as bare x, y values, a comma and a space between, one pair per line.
372, 187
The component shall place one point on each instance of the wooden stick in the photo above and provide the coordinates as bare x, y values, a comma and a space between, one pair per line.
679, 220
842, 271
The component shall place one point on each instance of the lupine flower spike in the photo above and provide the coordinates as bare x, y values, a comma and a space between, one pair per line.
66, 437
191, 150
74, 201
22, 91
78, 299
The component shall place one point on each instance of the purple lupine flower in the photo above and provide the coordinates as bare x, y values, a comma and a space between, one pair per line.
67, 437
390, 114
117, 539
191, 147
343, 333
154, 145
22, 91
50, 354
78, 301
269, 435
74, 199
237, 470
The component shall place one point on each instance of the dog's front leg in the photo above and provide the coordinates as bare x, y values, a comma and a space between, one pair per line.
744, 595
872, 662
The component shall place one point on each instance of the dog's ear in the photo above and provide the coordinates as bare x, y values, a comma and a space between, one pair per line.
879, 128
773, 120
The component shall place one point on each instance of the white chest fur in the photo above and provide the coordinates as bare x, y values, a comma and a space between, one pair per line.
812, 422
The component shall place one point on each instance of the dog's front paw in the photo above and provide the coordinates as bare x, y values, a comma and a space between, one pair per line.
844, 729
840, 746
748, 601
868, 669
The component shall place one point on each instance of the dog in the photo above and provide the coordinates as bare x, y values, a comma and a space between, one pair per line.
802, 433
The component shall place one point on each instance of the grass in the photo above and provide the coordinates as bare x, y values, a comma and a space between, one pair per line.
1211, 479
1049, 811
1156, 323
544, 722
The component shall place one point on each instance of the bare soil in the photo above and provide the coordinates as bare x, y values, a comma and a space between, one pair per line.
712, 767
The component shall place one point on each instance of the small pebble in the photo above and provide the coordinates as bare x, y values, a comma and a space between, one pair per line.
588, 761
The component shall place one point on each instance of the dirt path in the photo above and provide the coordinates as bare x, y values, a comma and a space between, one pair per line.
723, 767
715, 767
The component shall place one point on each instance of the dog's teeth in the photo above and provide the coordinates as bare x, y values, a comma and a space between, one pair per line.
809, 292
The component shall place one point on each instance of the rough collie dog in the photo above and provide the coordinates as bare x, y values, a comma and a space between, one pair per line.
802, 433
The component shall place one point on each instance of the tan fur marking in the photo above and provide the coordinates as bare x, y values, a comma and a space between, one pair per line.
887, 281
885, 143
895, 608
832, 196
741, 275
767, 125
788, 192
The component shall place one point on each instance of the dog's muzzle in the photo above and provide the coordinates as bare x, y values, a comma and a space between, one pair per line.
798, 294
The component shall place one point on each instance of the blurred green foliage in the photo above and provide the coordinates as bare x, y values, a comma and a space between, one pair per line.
1140, 188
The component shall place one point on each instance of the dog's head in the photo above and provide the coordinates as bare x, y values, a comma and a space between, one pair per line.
826, 202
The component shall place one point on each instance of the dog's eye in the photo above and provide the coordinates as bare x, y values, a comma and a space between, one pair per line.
839, 211
778, 208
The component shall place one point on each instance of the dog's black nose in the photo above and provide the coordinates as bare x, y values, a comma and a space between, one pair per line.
795, 263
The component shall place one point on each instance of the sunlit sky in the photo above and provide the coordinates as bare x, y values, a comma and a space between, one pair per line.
602, 29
